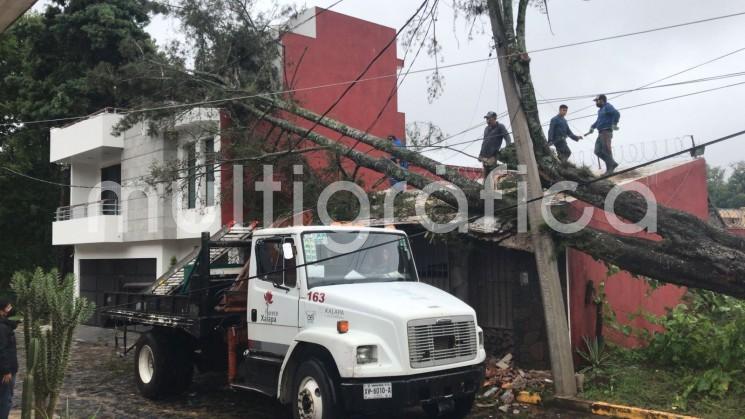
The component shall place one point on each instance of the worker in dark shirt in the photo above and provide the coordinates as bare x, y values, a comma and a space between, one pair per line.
558, 131
396, 183
494, 134
8, 358
606, 123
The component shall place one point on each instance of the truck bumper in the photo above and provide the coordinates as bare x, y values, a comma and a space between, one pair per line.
413, 390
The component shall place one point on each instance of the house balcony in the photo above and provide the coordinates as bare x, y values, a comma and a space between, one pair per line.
87, 141
91, 222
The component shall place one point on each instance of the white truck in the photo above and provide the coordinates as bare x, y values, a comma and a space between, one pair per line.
329, 320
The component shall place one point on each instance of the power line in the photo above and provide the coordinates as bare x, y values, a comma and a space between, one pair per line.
659, 86
470, 219
359, 80
431, 146
685, 70
624, 35
362, 74
400, 83
628, 107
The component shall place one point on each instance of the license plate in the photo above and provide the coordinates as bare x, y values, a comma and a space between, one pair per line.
377, 391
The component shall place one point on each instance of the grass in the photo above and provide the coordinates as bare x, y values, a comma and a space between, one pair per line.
626, 379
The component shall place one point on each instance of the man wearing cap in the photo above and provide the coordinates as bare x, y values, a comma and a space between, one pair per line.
8, 358
606, 123
494, 134
558, 131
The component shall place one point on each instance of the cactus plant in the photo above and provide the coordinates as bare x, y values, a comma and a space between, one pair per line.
51, 313
27, 406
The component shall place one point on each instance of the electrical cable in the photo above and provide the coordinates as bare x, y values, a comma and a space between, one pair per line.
451, 145
503, 209
440, 67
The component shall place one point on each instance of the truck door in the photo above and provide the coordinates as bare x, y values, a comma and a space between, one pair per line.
273, 299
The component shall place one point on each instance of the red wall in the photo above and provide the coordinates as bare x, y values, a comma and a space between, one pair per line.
682, 187
341, 50
737, 231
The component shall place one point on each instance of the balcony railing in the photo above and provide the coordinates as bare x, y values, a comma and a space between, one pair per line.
88, 209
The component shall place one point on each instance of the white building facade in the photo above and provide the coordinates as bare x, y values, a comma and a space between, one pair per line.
127, 226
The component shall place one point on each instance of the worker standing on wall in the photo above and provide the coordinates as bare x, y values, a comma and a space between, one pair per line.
558, 131
494, 134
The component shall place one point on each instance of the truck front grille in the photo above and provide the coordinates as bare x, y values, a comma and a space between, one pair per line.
441, 341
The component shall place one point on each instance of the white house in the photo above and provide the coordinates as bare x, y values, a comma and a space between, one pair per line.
126, 232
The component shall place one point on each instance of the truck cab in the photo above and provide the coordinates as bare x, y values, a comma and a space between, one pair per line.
330, 321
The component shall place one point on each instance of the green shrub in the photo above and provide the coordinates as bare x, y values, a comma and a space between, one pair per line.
705, 339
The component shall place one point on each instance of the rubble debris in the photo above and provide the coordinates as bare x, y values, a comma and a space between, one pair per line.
490, 392
510, 388
528, 397
519, 383
504, 363
507, 397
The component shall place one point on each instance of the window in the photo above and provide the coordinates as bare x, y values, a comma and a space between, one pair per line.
209, 167
191, 164
111, 178
342, 257
271, 264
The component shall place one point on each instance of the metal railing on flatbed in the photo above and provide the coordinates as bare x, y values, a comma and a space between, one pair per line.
156, 310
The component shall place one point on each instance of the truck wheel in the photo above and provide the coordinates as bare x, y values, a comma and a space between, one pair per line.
312, 390
153, 366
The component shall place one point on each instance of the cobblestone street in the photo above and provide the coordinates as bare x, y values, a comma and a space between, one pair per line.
100, 384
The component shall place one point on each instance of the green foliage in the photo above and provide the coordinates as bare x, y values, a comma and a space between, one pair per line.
60, 63
727, 193
51, 312
705, 337
595, 355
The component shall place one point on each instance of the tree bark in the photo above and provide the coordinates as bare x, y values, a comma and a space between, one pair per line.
450, 174
381, 165
557, 327
692, 252
703, 256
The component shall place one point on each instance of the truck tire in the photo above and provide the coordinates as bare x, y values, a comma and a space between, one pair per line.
160, 368
312, 396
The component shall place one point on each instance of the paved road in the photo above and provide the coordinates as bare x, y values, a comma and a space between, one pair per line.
100, 384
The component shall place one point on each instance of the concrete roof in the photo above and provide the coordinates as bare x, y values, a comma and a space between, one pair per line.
11, 10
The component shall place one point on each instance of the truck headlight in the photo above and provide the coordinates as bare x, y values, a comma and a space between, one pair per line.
481, 338
367, 354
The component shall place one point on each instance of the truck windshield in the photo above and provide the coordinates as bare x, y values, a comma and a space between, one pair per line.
365, 257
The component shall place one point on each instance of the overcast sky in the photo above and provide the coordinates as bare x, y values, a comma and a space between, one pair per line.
626, 63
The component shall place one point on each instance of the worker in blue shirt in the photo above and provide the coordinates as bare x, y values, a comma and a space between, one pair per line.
396, 143
558, 131
606, 123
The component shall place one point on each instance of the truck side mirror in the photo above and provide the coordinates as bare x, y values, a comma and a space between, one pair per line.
287, 250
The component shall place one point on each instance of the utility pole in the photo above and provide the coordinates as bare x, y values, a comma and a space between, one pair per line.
557, 329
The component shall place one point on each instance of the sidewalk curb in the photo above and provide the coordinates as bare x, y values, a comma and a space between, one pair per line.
614, 410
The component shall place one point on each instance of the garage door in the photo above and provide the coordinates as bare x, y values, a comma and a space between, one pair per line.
98, 276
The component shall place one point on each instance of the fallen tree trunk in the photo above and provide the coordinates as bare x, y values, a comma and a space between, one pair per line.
384, 165
450, 174
691, 253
